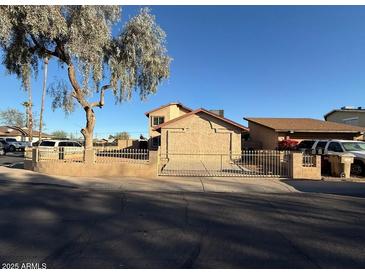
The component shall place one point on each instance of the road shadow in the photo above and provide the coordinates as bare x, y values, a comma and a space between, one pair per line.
75, 227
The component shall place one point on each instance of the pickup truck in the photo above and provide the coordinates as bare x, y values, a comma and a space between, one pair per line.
338, 147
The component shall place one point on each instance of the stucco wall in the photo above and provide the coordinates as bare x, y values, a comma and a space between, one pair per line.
61, 168
264, 137
200, 133
298, 171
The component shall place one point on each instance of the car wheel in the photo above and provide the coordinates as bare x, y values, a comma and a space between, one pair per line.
2, 152
12, 148
357, 168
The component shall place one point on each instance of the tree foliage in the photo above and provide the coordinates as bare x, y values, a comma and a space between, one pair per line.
80, 38
13, 117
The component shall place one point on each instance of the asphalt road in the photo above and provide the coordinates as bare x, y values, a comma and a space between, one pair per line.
79, 227
12, 158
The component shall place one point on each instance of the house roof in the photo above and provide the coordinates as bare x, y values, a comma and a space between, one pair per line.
344, 109
11, 131
18, 131
304, 125
169, 104
201, 110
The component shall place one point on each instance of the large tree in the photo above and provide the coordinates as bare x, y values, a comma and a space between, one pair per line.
80, 38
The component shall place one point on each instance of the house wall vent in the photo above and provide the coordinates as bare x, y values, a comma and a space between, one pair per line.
219, 112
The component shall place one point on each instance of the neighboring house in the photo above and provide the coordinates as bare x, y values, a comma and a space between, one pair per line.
20, 134
195, 132
347, 115
267, 132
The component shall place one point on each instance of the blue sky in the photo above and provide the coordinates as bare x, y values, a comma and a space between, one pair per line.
251, 61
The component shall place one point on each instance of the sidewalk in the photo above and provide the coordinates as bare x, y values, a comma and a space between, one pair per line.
158, 184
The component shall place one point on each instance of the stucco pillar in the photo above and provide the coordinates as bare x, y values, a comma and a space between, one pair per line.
296, 165
35, 155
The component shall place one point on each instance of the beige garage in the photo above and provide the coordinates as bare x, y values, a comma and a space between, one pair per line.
200, 132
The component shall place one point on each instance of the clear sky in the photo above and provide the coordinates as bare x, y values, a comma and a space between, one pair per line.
272, 61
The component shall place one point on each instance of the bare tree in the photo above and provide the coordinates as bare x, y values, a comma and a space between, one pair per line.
80, 38
121, 135
13, 117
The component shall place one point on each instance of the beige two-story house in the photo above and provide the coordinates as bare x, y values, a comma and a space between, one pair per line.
176, 128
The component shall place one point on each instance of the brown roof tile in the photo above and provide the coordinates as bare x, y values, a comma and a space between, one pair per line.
304, 125
205, 111
169, 104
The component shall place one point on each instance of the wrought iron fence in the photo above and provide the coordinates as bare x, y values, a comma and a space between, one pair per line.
309, 160
105, 155
65, 154
254, 163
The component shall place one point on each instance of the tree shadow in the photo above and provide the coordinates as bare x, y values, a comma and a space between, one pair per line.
69, 226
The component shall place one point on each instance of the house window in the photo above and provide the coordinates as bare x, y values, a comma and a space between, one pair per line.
157, 120
351, 121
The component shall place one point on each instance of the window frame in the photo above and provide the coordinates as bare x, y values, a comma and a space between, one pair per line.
159, 118
328, 148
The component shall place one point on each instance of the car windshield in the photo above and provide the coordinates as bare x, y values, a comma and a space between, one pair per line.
354, 146
11, 139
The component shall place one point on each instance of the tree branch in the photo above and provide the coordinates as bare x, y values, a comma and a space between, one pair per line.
42, 48
100, 104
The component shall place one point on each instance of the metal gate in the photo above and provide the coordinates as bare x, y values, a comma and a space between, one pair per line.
250, 163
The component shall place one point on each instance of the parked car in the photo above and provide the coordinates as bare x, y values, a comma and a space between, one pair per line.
59, 143
338, 147
5, 145
60, 149
2, 149
11, 144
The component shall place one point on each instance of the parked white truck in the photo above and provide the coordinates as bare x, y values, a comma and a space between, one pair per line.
338, 147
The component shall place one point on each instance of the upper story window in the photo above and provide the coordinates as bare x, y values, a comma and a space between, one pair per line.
351, 121
157, 120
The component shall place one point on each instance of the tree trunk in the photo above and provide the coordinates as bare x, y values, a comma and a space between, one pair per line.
43, 98
88, 131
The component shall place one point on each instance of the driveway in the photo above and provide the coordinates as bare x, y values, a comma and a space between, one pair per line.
125, 223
